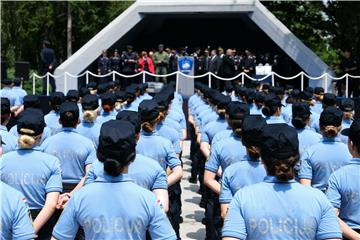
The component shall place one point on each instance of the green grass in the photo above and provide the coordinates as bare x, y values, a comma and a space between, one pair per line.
27, 85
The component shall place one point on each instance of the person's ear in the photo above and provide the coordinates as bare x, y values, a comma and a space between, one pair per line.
78, 121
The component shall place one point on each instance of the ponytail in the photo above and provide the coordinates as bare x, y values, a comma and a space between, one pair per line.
267, 111
114, 167
299, 122
236, 125
330, 131
90, 115
25, 140
253, 152
348, 115
283, 169
221, 112
108, 108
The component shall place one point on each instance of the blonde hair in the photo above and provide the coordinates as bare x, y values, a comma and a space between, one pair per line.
27, 141
90, 115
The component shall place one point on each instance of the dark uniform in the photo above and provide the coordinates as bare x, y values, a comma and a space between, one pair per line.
48, 62
104, 67
129, 60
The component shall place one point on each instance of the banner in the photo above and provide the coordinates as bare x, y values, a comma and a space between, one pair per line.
186, 84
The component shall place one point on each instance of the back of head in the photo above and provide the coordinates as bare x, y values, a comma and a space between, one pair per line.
83, 92
5, 110
279, 150
69, 114
17, 82
330, 122
251, 134
30, 126
354, 134
300, 115
236, 112
272, 103
132, 117
108, 101
116, 146
347, 106
73, 96
149, 114
56, 99
31, 101
90, 106
329, 100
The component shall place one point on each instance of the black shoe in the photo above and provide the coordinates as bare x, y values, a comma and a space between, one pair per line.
202, 204
203, 221
193, 180
181, 220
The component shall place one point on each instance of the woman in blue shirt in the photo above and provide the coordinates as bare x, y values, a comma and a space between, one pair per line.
88, 126
322, 159
344, 187
108, 101
279, 207
113, 207
247, 171
52, 118
35, 174
272, 109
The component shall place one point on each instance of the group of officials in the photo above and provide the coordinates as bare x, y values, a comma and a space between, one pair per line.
105, 163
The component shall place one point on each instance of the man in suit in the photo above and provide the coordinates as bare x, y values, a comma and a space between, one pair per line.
228, 67
48, 61
214, 67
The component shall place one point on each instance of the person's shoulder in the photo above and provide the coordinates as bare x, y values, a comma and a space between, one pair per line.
9, 191
146, 161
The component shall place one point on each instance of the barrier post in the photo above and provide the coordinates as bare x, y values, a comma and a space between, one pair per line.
242, 78
346, 85
34, 83
144, 78
177, 81
209, 79
47, 83
326, 83
302, 81
113, 76
65, 83
272, 79
87, 77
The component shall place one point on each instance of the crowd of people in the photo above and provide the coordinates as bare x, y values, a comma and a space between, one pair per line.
105, 163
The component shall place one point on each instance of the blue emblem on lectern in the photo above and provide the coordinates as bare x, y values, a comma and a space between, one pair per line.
186, 65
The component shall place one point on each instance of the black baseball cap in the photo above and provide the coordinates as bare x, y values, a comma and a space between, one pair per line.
237, 110
5, 106
121, 96
131, 90
116, 141
149, 110
251, 133
229, 88
306, 96
331, 116
31, 101
310, 90
73, 95
108, 99
90, 102
69, 111
301, 110
83, 92
33, 119
272, 102
132, 117
222, 101
6, 81
329, 99
319, 91
92, 86
347, 105
102, 88
279, 141
57, 98
353, 132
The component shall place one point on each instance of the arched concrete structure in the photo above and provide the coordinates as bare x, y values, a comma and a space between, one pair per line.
253, 9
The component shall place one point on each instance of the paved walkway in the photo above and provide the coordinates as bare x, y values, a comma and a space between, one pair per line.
191, 228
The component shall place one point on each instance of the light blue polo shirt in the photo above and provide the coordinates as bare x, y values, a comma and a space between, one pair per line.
210, 130
307, 138
170, 134
280, 210
46, 133
113, 208
8, 93
254, 110
344, 125
286, 113
222, 135
173, 124
10, 141
52, 121
322, 159
74, 152
20, 93
33, 173
106, 116
159, 149
275, 120
238, 175
225, 153
177, 116
14, 215
317, 107
90, 130
344, 192
144, 171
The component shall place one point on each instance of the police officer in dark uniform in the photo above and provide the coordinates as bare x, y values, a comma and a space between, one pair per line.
129, 59
48, 61
104, 67
349, 65
116, 63
204, 65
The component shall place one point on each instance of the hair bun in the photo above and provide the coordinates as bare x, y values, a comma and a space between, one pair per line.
284, 172
112, 167
266, 111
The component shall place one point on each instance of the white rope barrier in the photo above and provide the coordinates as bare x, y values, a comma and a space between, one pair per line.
241, 75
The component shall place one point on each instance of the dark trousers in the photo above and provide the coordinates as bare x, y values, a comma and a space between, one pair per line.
175, 207
45, 232
212, 216
51, 82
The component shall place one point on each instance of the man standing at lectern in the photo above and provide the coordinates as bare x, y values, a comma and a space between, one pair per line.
48, 61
